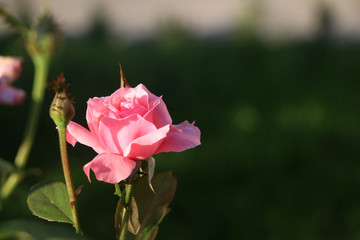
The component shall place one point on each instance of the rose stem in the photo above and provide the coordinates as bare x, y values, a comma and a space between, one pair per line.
68, 178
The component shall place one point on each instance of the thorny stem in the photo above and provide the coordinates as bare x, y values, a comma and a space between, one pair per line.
68, 178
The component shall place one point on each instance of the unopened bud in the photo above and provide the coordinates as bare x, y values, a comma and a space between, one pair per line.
62, 110
47, 34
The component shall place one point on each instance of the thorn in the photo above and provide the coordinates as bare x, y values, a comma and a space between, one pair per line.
78, 190
152, 188
72, 203
123, 82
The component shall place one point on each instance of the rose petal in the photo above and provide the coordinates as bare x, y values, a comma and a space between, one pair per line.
120, 96
149, 96
158, 113
146, 146
117, 134
11, 96
180, 138
70, 138
95, 108
128, 109
82, 135
141, 95
110, 168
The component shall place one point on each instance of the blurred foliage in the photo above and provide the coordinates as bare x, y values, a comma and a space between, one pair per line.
280, 133
36, 230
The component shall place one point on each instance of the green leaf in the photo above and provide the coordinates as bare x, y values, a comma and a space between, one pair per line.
16, 235
148, 234
147, 208
153, 207
35, 229
5, 166
50, 200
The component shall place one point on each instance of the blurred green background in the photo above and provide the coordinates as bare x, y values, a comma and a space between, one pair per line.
280, 155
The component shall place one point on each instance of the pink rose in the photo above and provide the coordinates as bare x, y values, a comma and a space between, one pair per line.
129, 125
10, 69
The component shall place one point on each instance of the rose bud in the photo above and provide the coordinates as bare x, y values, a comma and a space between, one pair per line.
61, 110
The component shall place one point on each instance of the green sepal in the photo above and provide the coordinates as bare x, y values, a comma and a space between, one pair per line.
151, 170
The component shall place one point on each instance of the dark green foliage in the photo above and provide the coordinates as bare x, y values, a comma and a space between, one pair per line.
36, 230
280, 155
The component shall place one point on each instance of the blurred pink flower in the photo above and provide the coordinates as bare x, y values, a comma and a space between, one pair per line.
11, 96
129, 125
10, 69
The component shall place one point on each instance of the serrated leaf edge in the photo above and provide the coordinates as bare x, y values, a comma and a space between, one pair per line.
32, 189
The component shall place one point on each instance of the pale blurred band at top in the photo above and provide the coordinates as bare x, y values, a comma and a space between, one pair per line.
141, 19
